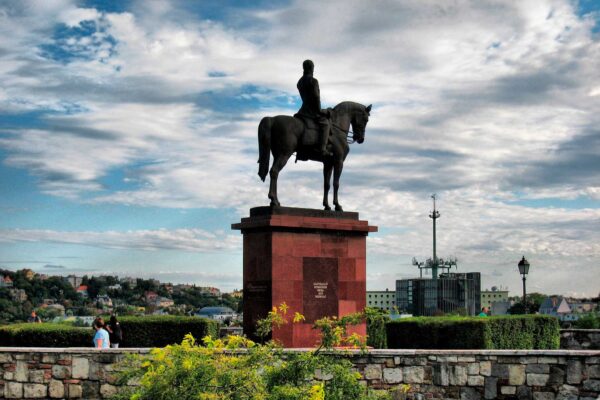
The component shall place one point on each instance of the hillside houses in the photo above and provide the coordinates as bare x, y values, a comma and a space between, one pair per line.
566, 309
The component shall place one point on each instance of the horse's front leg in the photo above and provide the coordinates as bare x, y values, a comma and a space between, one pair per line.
277, 166
327, 170
337, 172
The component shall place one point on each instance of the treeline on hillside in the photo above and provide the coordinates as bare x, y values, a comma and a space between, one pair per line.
127, 300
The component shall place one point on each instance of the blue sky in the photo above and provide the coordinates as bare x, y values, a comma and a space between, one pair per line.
128, 133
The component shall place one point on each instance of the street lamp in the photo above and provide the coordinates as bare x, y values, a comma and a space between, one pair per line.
524, 270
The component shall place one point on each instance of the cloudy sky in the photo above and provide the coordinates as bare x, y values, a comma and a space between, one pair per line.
128, 133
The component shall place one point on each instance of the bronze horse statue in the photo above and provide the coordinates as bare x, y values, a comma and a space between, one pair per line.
282, 135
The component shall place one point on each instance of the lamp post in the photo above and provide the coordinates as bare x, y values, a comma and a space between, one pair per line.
524, 270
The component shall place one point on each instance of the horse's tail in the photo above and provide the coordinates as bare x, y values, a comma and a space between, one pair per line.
264, 146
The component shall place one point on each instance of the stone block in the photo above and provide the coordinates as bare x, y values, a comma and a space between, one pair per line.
457, 375
80, 368
90, 390
528, 360
440, 374
592, 385
467, 393
508, 390
37, 376
373, 371
5, 358
475, 380
466, 359
557, 375
574, 372
392, 375
491, 387
567, 392
543, 396
537, 379
524, 392
21, 371
9, 376
107, 391
413, 374
485, 368
96, 372
537, 368
593, 371
473, 368
516, 374
547, 360
48, 358
61, 371
74, 391
56, 389
34, 391
499, 371
13, 390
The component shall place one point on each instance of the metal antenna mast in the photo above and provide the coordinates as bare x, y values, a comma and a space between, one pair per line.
434, 215
434, 263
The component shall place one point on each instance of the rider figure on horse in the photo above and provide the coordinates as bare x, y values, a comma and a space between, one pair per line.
308, 87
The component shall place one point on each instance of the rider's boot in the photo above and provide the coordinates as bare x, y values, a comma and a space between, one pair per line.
324, 140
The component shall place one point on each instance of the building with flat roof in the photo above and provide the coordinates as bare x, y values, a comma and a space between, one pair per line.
495, 300
448, 294
383, 299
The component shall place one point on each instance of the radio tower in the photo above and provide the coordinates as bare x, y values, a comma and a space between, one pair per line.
434, 263
434, 215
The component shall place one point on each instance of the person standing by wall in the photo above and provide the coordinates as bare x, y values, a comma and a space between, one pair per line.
101, 338
115, 332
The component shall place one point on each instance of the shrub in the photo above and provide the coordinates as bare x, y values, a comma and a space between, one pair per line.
236, 368
588, 321
376, 321
158, 331
152, 331
45, 335
502, 332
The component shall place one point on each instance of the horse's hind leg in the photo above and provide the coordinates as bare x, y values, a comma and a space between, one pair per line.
327, 170
277, 166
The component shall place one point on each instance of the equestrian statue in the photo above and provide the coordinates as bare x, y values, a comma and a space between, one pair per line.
313, 134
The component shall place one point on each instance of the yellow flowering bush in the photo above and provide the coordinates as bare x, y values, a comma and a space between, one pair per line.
236, 368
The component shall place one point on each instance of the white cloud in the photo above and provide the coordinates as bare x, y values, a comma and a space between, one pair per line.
484, 103
193, 240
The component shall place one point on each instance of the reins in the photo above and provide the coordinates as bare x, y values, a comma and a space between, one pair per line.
349, 134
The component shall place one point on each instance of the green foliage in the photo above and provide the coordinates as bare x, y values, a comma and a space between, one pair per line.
376, 321
588, 321
156, 331
236, 368
137, 332
502, 332
45, 335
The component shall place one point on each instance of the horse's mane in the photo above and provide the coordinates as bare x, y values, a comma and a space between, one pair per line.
347, 105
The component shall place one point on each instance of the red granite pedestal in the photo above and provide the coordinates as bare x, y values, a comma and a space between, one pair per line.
313, 260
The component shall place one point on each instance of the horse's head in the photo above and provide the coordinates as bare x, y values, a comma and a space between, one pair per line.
359, 123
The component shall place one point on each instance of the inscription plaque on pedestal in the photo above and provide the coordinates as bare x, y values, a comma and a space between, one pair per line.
313, 260
320, 287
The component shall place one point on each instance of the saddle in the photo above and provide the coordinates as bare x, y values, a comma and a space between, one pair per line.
310, 136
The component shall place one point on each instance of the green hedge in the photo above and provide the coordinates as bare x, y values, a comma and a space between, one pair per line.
502, 332
152, 331
45, 335
159, 331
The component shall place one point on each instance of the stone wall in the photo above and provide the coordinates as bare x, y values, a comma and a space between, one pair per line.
449, 374
580, 339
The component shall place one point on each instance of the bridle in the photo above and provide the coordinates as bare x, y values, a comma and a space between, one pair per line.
349, 134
